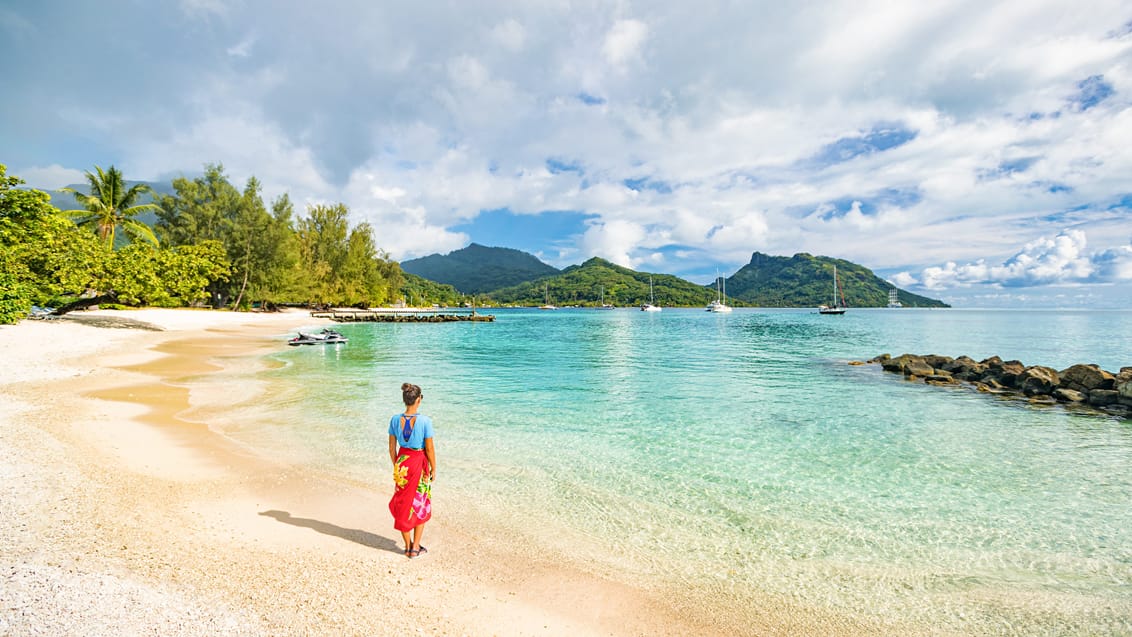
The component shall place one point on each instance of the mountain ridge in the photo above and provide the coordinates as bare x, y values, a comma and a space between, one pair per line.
802, 280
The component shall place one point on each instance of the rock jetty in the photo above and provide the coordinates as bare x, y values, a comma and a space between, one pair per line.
1084, 386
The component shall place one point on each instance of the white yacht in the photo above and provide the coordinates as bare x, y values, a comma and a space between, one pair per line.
649, 307
836, 308
547, 305
720, 303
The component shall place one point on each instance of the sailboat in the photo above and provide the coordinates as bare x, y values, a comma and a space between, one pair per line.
893, 299
836, 308
719, 305
649, 307
547, 305
604, 305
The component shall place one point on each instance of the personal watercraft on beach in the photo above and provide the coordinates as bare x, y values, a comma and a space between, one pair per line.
326, 337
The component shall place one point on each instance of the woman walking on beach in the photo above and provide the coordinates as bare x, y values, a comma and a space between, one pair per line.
414, 467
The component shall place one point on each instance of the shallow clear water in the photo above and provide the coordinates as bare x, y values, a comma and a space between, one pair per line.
740, 454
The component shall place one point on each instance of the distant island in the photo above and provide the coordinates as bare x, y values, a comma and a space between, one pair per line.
513, 277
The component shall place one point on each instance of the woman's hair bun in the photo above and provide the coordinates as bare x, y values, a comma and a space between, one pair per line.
406, 386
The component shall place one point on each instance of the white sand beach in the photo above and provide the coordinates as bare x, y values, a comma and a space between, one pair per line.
119, 516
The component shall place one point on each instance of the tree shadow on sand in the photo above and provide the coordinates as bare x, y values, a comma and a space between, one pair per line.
365, 538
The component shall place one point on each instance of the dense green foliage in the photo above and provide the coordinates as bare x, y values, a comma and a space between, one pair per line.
317, 260
477, 269
804, 280
218, 245
421, 292
48, 259
583, 284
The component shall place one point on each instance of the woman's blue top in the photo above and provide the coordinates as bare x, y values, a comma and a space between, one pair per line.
411, 434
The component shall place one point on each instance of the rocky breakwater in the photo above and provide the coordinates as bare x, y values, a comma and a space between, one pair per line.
1084, 386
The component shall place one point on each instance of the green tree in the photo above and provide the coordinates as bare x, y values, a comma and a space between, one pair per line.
42, 253
111, 204
343, 266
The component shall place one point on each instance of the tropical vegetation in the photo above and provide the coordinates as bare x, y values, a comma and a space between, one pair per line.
211, 244
597, 279
112, 204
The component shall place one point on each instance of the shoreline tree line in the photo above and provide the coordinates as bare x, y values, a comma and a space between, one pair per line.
211, 244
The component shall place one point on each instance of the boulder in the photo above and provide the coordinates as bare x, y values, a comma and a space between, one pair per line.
1069, 395
961, 364
1085, 378
918, 367
1103, 397
1037, 380
993, 361
1010, 372
1004, 373
937, 361
901, 363
1042, 400
880, 359
1123, 383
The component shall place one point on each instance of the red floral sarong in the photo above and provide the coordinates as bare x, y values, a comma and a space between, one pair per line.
411, 504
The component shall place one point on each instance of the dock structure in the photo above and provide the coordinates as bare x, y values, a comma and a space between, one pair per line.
403, 315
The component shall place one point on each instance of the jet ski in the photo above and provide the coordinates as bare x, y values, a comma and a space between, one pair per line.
325, 337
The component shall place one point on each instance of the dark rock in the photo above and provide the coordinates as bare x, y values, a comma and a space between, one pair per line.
1103, 397
1037, 380
1118, 410
1069, 395
880, 359
1123, 383
1043, 400
1011, 371
961, 364
898, 364
937, 361
1085, 378
993, 361
918, 367
940, 378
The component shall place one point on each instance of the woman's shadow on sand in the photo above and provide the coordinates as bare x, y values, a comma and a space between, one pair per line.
365, 538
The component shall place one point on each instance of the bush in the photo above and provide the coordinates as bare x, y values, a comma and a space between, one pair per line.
15, 299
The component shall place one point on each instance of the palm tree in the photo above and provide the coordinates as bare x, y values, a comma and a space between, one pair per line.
110, 204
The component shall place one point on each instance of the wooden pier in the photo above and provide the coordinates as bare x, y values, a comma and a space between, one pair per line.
406, 315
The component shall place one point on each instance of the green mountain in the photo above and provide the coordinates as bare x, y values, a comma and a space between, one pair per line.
804, 280
583, 285
477, 269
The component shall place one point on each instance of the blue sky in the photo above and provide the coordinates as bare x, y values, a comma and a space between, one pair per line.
979, 153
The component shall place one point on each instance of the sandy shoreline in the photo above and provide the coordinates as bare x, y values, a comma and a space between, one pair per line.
120, 516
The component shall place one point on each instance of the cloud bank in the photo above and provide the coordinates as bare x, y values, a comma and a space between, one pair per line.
901, 137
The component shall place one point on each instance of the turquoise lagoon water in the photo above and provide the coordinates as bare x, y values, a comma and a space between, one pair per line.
740, 457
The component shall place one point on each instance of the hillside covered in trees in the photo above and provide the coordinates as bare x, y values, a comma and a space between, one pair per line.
804, 280
584, 284
767, 281
477, 269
